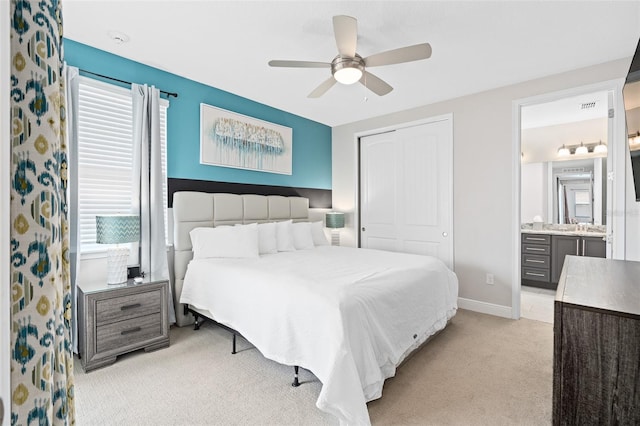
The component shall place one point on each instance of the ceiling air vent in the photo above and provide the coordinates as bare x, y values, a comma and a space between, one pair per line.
587, 105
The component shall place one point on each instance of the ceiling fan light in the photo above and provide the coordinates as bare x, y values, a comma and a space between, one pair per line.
563, 151
582, 150
348, 75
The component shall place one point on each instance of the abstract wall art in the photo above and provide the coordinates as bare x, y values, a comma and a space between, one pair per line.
229, 139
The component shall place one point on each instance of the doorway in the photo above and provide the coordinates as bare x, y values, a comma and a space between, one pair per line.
595, 200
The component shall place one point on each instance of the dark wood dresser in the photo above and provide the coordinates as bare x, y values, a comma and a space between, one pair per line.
596, 363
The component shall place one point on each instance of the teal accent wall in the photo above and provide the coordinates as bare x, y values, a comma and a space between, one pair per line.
311, 140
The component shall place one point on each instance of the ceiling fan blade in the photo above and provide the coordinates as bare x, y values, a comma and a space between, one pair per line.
398, 56
375, 84
299, 64
322, 88
345, 29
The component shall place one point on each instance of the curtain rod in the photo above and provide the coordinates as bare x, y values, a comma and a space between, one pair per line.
175, 95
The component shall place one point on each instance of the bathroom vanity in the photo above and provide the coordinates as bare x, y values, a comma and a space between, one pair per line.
544, 251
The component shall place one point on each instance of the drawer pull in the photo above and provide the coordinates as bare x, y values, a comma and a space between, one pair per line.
534, 274
535, 249
535, 239
534, 261
132, 306
130, 331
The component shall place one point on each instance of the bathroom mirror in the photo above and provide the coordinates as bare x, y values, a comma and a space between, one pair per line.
565, 192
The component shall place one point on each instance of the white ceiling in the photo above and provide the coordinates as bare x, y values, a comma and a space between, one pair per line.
477, 45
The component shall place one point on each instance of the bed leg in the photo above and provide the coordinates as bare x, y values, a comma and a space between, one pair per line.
196, 325
234, 344
295, 383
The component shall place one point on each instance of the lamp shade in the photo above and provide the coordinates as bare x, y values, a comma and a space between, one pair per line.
334, 220
117, 229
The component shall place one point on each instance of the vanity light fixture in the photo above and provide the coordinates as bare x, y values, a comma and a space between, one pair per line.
600, 148
582, 150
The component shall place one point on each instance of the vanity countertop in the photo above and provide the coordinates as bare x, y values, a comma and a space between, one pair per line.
591, 231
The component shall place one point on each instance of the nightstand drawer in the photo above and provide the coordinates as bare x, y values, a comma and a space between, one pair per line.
126, 307
131, 331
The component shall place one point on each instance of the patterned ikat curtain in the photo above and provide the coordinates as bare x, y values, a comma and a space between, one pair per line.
41, 348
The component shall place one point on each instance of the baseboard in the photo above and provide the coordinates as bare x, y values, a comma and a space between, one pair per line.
484, 307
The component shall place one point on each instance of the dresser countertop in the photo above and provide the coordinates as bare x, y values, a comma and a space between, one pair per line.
601, 283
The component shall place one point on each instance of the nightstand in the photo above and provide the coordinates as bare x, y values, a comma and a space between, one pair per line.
116, 319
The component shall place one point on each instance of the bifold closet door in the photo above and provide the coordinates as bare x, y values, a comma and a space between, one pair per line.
406, 190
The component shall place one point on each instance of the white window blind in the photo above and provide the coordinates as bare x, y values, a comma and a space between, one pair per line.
105, 154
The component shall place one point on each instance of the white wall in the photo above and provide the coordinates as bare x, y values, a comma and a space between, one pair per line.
5, 304
483, 172
533, 181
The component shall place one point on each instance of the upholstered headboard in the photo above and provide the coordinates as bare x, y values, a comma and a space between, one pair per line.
198, 209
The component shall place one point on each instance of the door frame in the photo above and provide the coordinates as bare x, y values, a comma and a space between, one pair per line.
444, 117
616, 159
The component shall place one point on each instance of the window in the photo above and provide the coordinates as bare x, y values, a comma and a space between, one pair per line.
105, 153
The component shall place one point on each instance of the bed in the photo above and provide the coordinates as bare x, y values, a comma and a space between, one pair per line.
350, 316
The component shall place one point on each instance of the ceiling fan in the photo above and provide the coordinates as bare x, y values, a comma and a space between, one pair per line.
348, 67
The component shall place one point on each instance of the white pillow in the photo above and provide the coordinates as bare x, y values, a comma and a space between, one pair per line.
225, 241
267, 242
302, 239
318, 235
284, 236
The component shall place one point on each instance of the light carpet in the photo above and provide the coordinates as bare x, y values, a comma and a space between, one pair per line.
480, 370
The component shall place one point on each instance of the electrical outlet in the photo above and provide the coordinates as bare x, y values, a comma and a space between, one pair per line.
490, 279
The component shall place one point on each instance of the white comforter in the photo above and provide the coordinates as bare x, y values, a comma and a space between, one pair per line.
348, 315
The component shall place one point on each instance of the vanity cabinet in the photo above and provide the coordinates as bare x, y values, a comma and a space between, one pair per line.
543, 256
563, 245
536, 260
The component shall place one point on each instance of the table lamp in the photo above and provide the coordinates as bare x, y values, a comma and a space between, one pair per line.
335, 221
117, 229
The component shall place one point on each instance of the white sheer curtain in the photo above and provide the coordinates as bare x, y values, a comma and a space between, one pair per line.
71, 76
147, 172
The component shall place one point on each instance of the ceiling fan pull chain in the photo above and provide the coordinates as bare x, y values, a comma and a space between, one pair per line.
365, 88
